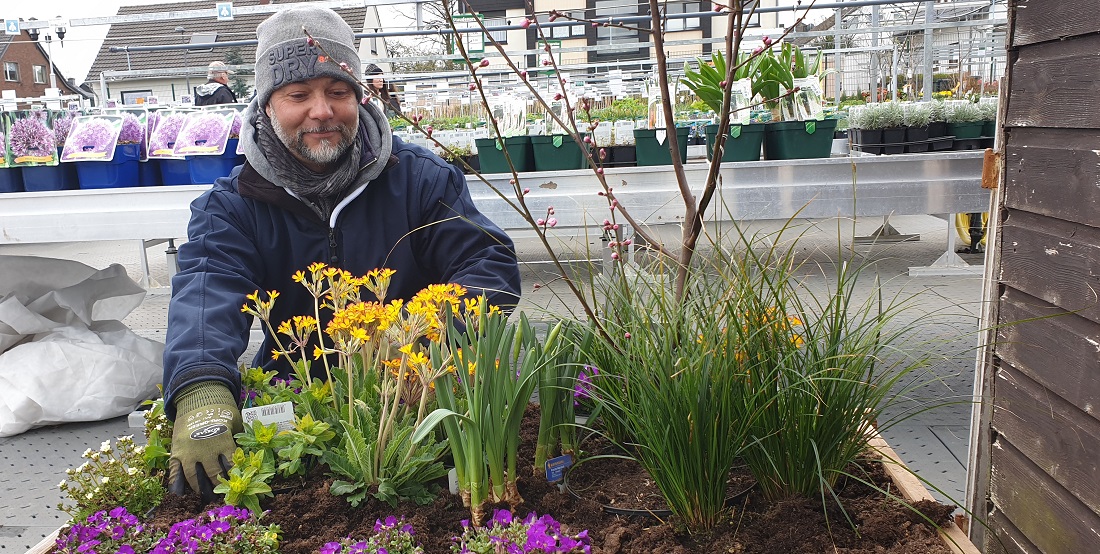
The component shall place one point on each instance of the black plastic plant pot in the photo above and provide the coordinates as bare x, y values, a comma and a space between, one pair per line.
965, 131
967, 144
937, 129
893, 135
894, 148
943, 143
870, 136
622, 156
914, 134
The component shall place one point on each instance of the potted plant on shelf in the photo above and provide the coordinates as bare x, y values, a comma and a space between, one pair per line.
743, 140
892, 119
789, 86
104, 157
964, 122
917, 117
653, 144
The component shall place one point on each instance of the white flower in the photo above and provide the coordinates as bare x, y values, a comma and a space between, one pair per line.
89, 496
61, 485
105, 447
105, 480
87, 453
69, 471
83, 467
112, 461
130, 471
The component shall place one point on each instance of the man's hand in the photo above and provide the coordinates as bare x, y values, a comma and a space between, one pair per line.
207, 417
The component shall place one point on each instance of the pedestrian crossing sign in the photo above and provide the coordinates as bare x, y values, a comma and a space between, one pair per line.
225, 11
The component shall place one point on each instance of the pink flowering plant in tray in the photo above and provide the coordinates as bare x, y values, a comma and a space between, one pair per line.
31, 138
204, 133
162, 140
92, 138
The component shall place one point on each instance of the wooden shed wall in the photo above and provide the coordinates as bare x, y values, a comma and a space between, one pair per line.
1044, 455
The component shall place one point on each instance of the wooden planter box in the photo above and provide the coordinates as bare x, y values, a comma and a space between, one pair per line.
908, 485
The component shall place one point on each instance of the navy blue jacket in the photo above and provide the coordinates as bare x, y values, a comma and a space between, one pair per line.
248, 234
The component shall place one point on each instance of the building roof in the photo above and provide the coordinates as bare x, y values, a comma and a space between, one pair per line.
162, 31
62, 82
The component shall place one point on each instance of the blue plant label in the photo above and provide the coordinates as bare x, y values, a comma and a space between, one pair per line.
281, 414
555, 467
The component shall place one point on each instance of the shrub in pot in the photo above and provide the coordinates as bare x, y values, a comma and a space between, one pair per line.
917, 117
964, 121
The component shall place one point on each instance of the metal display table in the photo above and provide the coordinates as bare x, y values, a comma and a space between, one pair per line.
851, 186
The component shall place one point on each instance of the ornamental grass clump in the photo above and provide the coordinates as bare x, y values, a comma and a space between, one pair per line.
112, 476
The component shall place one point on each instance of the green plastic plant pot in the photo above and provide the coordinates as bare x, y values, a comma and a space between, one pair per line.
557, 153
490, 154
742, 142
965, 131
650, 151
793, 140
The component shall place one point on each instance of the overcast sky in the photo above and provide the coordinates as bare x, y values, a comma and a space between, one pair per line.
76, 55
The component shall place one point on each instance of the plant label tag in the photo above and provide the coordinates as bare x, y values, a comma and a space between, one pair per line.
555, 467
452, 480
281, 414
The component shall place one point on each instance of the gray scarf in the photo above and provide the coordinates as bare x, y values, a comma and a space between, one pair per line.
320, 191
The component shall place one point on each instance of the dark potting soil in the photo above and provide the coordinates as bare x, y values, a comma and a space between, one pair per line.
310, 516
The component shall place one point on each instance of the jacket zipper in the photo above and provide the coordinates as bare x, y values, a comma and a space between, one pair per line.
334, 260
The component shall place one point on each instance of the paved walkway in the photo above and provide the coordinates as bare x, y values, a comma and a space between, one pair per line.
933, 442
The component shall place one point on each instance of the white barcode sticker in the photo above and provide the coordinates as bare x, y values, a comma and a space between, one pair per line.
281, 414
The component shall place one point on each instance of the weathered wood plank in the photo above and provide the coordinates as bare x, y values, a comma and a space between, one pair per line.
1054, 434
1053, 85
1057, 261
1050, 517
1008, 539
1043, 20
1054, 172
1057, 352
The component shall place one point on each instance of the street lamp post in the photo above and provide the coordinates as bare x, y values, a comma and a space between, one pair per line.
58, 27
186, 72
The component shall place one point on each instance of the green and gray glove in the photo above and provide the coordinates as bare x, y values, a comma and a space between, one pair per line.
207, 417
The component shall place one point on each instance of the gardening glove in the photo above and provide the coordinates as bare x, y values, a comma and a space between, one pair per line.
207, 417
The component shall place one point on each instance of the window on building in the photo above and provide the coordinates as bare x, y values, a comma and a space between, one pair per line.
565, 31
749, 6
682, 24
40, 74
11, 72
496, 20
614, 37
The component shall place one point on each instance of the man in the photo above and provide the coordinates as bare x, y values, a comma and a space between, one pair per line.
325, 181
216, 90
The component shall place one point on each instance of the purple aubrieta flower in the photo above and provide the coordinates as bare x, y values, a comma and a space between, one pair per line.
204, 129
164, 137
30, 136
133, 132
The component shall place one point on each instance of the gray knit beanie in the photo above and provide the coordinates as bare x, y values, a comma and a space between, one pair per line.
284, 56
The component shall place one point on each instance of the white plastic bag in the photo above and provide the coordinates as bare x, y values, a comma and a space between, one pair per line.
64, 354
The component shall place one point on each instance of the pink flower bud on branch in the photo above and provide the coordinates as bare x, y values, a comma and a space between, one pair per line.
552, 221
767, 42
526, 23
603, 155
526, 190
485, 62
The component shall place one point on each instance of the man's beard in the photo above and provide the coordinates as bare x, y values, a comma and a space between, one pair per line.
326, 152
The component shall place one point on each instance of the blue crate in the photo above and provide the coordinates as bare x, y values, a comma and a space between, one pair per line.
122, 171
50, 177
11, 179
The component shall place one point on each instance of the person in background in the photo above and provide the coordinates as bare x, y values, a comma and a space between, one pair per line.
324, 181
216, 90
383, 94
